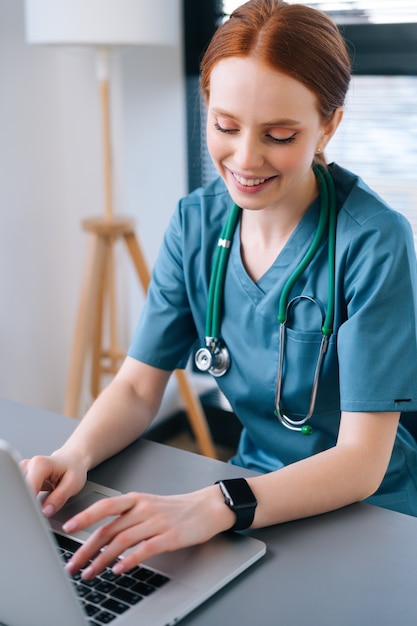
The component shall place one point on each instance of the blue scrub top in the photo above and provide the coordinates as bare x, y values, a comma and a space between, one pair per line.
371, 364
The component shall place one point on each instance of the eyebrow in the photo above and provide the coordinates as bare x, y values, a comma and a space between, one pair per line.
279, 122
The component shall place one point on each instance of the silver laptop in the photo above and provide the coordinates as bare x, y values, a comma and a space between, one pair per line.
35, 590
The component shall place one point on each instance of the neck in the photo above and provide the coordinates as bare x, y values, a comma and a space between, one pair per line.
267, 227
260, 245
264, 234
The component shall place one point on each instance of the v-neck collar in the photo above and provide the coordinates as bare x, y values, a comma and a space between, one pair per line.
289, 257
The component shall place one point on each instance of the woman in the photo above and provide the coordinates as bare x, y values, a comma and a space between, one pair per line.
275, 78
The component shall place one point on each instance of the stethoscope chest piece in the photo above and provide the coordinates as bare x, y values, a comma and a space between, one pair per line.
214, 358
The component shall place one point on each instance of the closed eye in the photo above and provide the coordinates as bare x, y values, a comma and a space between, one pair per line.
224, 130
284, 140
279, 140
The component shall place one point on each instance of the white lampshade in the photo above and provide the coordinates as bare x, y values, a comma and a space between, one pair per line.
103, 22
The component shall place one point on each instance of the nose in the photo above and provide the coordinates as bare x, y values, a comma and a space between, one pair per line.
249, 153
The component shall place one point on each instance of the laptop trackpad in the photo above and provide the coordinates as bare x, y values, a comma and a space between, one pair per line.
91, 493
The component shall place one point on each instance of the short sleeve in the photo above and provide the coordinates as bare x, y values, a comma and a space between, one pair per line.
377, 344
165, 331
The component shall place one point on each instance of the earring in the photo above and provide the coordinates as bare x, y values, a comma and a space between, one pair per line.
318, 151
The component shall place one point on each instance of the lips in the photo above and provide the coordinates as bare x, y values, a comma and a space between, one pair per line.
252, 185
249, 182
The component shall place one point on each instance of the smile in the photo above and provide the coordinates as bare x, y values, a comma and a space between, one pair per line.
249, 182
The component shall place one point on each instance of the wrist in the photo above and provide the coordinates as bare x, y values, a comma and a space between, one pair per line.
240, 499
74, 456
223, 517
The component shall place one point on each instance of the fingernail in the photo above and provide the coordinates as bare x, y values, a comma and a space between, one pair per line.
118, 568
48, 510
87, 573
70, 526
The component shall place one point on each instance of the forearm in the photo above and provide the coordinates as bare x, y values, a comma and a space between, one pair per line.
310, 487
113, 421
118, 416
347, 473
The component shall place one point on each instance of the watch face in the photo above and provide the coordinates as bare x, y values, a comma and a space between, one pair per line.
239, 493
240, 498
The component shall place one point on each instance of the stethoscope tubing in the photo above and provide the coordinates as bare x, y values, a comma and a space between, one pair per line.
215, 345
216, 287
311, 252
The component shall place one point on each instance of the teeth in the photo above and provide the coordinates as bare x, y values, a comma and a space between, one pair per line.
249, 182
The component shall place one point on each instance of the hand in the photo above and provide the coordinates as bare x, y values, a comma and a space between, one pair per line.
149, 524
63, 476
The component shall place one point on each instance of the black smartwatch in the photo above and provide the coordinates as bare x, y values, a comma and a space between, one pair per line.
240, 498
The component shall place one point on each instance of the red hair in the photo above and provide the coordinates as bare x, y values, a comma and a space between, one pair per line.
291, 38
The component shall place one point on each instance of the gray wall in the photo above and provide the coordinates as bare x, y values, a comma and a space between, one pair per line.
51, 178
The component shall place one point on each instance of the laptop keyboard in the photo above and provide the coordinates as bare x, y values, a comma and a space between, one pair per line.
109, 595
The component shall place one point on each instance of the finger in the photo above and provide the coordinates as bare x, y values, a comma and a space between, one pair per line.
147, 544
101, 549
115, 537
44, 474
145, 539
145, 549
23, 465
56, 499
109, 511
114, 547
38, 470
106, 507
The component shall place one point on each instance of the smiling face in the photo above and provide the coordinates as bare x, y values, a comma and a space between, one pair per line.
263, 129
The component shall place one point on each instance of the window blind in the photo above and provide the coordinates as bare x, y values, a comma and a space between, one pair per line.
378, 139
355, 11
378, 135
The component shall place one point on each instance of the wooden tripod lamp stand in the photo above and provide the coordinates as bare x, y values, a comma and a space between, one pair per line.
104, 23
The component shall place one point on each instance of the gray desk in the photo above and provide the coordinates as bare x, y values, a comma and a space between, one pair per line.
354, 567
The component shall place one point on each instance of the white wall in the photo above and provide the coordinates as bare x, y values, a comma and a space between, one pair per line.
51, 178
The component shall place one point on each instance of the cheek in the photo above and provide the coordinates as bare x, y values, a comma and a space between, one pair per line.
217, 144
296, 159
213, 145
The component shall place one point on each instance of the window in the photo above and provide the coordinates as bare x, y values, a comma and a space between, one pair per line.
378, 135
378, 139
355, 11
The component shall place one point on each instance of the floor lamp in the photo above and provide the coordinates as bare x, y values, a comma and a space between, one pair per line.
103, 24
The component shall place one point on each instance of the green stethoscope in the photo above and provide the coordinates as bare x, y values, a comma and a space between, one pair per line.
214, 357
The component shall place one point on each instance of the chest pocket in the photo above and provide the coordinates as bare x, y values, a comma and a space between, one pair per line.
302, 342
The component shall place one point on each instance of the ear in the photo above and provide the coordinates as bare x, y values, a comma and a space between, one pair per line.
330, 126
